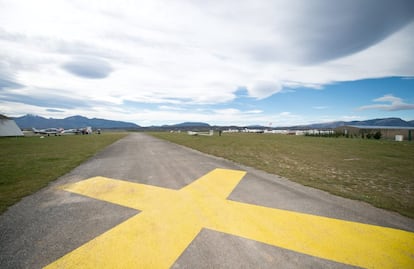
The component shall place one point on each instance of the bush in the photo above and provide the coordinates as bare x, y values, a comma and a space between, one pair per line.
377, 135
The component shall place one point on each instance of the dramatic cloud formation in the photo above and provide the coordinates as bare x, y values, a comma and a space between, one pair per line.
140, 60
395, 104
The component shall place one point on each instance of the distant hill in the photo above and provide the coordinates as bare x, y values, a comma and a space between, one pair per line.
325, 125
383, 122
29, 121
331, 125
374, 122
190, 124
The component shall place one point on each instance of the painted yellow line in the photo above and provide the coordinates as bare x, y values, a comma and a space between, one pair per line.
171, 219
341, 241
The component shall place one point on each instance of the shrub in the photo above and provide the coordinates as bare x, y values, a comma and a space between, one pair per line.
377, 135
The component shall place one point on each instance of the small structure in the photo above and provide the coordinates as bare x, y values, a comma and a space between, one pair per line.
387, 132
210, 133
8, 127
399, 138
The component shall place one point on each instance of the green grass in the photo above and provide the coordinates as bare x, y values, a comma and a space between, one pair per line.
30, 163
375, 171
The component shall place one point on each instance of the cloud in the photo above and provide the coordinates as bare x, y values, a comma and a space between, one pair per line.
7, 78
285, 114
320, 107
54, 110
167, 53
319, 31
350, 118
174, 108
395, 104
7, 83
262, 89
255, 111
88, 68
344, 28
46, 98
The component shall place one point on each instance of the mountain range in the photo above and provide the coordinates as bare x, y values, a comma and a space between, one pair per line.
374, 122
327, 125
34, 121
188, 124
29, 121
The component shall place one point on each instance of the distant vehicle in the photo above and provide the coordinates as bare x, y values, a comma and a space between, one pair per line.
48, 131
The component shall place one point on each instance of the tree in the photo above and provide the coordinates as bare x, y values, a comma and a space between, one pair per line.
377, 135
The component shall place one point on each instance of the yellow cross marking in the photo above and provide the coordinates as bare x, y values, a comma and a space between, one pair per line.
171, 219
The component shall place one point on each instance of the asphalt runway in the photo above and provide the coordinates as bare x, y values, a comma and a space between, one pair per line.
147, 203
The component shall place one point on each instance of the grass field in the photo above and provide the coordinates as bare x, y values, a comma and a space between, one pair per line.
29, 163
375, 171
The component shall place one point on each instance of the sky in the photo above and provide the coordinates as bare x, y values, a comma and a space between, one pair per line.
272, 63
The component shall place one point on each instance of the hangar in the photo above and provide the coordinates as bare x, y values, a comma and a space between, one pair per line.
8, 127
387, 132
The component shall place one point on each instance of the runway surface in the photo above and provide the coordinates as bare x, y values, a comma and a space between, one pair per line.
147, 203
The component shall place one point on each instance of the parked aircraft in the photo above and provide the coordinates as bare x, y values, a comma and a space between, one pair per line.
48, 131
87, 130
72, 131
61, 131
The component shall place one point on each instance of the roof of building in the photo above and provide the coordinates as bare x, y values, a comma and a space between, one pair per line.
8, 127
